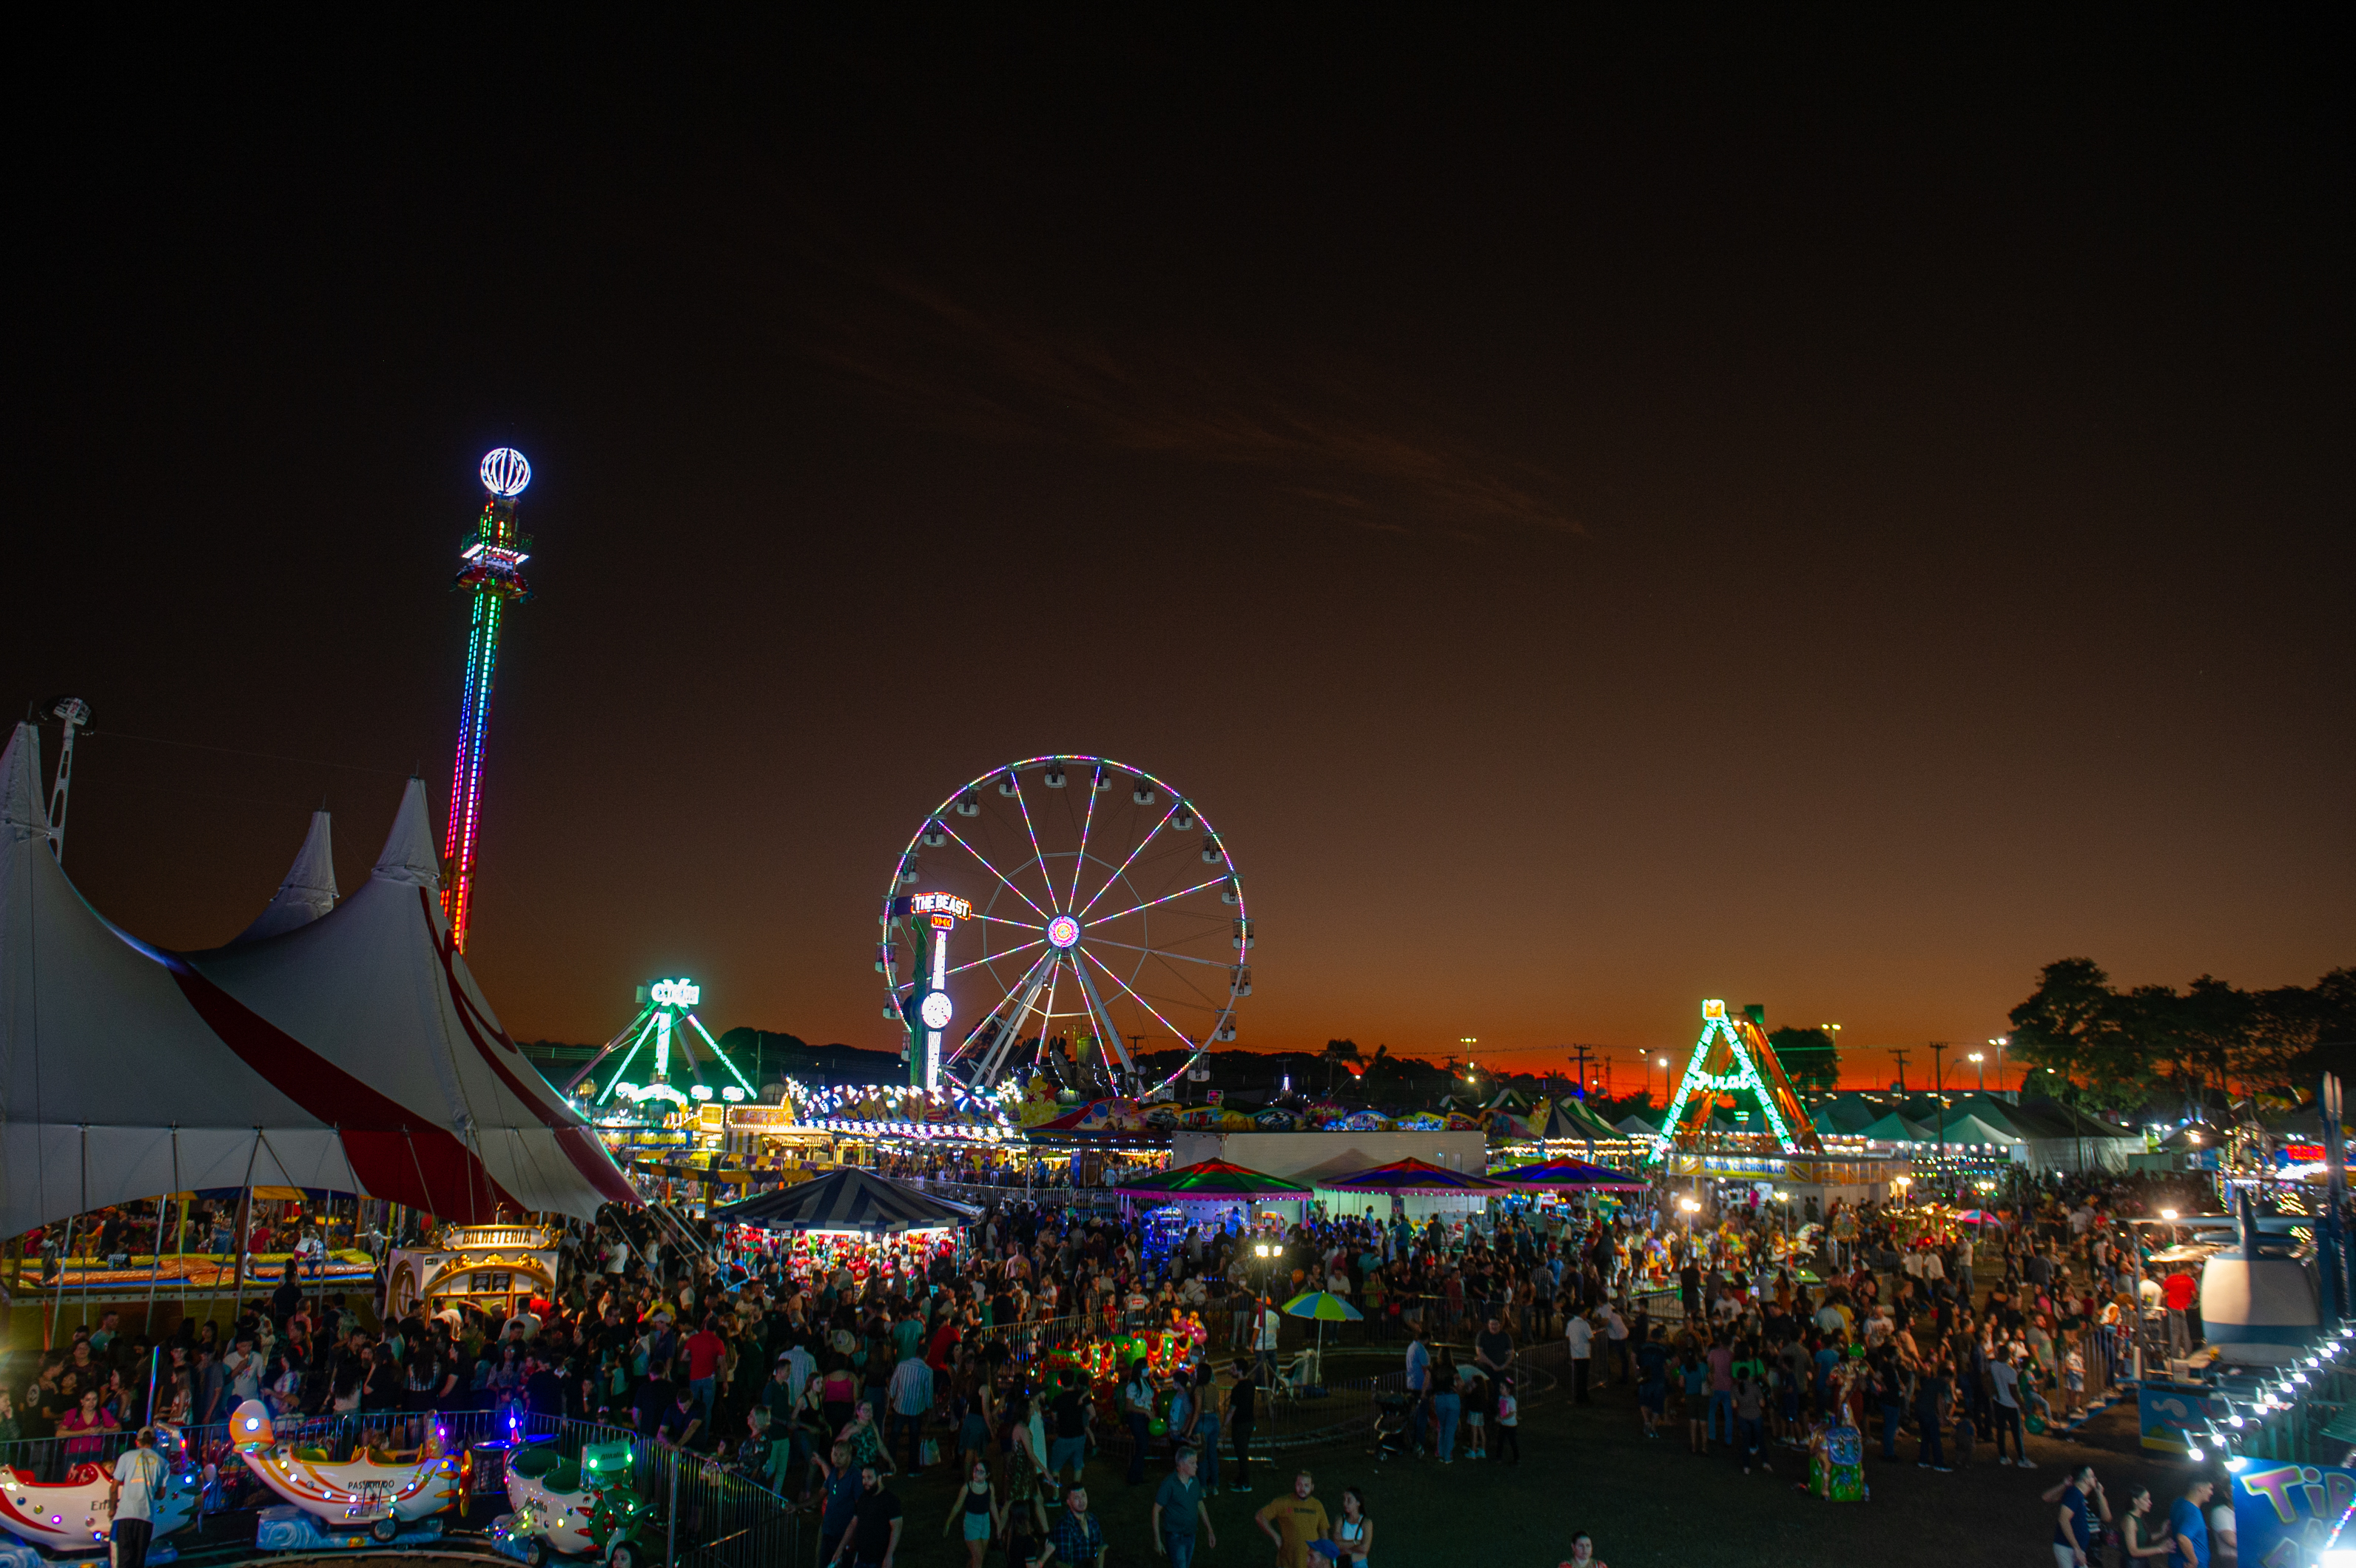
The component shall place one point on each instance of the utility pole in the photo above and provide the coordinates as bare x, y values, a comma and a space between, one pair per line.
1901, 1052
1938, 1049
1578, 1054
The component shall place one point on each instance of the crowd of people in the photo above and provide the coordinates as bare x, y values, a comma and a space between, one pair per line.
826, 1387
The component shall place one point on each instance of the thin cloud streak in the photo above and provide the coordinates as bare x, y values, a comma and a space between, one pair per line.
1315, 439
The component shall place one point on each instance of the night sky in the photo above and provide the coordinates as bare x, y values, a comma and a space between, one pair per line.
1834, 515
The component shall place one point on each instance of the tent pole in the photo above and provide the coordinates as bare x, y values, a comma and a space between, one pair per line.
85, 1205
57, 1303
244, 1224
163, 1207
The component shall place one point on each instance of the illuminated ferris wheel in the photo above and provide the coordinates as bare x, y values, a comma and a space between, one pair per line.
1068, 915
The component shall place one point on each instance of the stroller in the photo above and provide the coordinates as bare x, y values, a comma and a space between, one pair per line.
1391, 1434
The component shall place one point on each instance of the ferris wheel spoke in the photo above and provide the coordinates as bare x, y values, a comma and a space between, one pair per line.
1180, 976
1054, 980
999, 874
1158, 952
1088, 820
992, 958
1046, 879
1109, 1043
1124, 866
1149, 903
1030, 973
1175, 1032
1001, 919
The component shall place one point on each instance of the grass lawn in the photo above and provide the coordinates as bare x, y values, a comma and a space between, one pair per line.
1645, 1502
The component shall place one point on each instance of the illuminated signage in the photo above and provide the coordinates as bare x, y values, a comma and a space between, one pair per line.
1715, 1009
948, 903
758, 1118
676, 993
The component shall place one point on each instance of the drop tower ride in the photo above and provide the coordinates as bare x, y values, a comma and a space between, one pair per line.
492, 570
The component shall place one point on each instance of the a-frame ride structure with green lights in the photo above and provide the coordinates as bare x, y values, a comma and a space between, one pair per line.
666, 1014
1732, 1055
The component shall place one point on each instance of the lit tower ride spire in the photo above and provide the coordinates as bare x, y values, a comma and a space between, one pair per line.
493, 570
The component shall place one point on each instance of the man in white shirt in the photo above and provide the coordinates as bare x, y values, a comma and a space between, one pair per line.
139, 1475
243, 1369
1581, 1335
1615, 1345
800, 1365
1272, 1325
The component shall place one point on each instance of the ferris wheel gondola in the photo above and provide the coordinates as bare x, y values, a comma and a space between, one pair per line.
1065, 914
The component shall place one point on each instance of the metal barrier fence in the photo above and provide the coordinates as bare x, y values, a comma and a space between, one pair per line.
712, 1515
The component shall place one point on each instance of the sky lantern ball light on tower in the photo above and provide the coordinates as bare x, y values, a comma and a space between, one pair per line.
492, 569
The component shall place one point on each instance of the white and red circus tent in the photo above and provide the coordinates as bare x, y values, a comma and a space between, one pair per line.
347, 1049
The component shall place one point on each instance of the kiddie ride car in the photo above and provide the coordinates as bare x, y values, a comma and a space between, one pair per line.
62, 1518
574, 1508
373, 1496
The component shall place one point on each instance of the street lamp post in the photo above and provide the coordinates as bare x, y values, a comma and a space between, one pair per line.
1999, 1042
1979, 1060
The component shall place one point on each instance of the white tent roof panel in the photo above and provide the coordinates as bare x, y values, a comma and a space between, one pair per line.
347, 1052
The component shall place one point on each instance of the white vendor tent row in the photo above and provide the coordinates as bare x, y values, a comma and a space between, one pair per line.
342, 1046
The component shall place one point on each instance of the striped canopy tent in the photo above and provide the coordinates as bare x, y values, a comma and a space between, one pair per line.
1895, 1129
846, 1200
1213, 1181
1569, 1175
1568, 1119
1413, 1178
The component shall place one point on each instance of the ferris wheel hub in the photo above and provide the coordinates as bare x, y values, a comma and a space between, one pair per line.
1062, 933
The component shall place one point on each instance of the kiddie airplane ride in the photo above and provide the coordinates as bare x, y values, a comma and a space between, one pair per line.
582, 1508
66, 1518
368, 1498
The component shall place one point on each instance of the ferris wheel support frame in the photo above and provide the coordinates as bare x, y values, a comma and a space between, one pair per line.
1019, 887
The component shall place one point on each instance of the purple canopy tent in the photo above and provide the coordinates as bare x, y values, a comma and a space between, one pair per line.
1413, 1178
1569, 1175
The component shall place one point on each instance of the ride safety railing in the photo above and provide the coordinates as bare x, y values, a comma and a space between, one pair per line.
708, 1514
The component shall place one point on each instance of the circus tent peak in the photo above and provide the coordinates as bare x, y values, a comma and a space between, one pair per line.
112, 1084
22, 813
409, 856
309, 890
350, 1053
376, 989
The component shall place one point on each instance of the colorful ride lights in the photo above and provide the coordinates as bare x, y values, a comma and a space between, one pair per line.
505, 472
935, 1010
1062, 933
